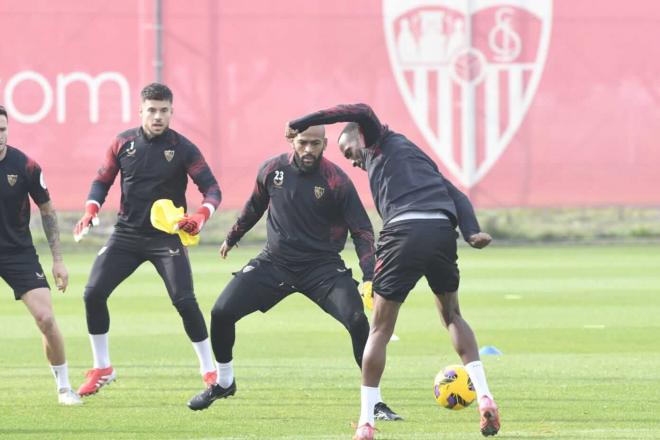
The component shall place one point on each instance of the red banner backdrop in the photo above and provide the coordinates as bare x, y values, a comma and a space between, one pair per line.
521, 103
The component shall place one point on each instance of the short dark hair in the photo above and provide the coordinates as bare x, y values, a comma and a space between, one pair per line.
157, 92
3, 112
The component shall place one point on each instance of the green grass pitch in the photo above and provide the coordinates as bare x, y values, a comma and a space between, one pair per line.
578, 327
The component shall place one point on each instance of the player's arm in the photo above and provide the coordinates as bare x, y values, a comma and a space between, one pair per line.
252, 211
361, 230
52, 231
362, 234
105, 177
467, 219
203, 177
41, 197
361, 114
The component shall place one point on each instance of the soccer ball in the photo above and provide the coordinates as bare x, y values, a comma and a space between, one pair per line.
453, 388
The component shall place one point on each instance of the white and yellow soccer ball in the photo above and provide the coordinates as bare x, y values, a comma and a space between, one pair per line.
453, 388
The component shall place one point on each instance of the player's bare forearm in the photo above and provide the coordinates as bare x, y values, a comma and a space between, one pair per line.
51, 229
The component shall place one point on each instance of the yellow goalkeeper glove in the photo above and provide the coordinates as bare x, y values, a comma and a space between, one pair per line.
367, 295
165, 216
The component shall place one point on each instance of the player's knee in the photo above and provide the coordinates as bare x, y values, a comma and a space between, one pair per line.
356, 322
382, 329
187, 307
94, 297
451, 316
45, 321
221, 312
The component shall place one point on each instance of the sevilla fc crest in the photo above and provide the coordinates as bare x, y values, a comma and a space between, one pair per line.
169, 154
11, 179
468, 71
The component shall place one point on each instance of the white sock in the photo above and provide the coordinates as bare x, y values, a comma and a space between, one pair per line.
477, 374
225, 374
379, 397
61, 373
369, 399
203, 350
100, 350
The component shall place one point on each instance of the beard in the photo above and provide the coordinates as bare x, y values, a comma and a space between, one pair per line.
307, 162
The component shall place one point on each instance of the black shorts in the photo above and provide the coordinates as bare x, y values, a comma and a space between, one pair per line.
261, 284
410, 249
22, 271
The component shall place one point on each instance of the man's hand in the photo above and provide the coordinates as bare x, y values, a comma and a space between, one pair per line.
194, 223
480, 240
89, 219
225, 248
290, 133
61, 275
367, 295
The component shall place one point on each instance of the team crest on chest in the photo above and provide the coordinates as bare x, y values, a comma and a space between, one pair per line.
12, 178
169, 154
130, 151
278, 180
319, 191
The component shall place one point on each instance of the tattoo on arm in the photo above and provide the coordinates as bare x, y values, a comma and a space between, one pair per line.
49, 221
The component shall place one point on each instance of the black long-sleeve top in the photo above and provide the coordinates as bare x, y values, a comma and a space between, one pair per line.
402, 177
309, 215
152, 169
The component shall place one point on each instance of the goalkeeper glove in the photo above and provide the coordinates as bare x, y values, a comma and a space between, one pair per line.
367, 295
192, 224
89, 219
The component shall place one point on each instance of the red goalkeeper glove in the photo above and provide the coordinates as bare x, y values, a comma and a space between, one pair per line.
192, 224
88, 220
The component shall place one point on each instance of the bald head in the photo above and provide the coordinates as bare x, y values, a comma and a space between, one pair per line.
308, 147
314, 131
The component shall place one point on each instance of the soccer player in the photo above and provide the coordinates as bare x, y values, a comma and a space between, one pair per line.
155, 162
312, 205
420, 211
21, 176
